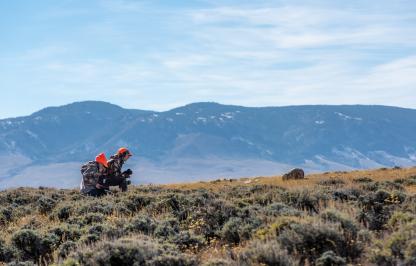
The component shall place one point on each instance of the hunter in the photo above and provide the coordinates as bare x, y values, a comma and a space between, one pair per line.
115, 176
93, 176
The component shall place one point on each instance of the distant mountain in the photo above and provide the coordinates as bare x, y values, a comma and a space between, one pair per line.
204, 136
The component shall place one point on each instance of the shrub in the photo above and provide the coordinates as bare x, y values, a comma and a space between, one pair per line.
303, 199
33, 246
6, 216
230, 230
347, 225
188, 240
399, 219
167, 228
92, 218
66, 232
410, 253
45, 204
141, 224
281, 209
362, 180
331, 182
173, 259
6, 253
66, 248
137, 251
329, 258
219, 262
136, 202
346, 194
311, 241
63, 212
376, 208
265, 253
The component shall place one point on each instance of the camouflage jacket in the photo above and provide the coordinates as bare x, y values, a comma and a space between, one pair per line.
90, 176
114, 165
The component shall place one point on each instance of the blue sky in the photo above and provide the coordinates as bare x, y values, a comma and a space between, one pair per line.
161, 54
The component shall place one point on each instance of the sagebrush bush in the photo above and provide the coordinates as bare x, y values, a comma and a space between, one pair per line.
281, 209
34, 246
167, 228
331, 182
6, 252
329, 258
66, 248
45, 204
129, 251
141, 224
230, 231
188, 240
311, 241
265, 253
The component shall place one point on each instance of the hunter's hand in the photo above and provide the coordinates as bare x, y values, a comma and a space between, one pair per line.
99, 186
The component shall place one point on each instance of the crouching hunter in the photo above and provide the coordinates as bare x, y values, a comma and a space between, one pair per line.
93, 176
115, 176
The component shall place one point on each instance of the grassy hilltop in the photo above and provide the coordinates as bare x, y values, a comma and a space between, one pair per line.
359, 217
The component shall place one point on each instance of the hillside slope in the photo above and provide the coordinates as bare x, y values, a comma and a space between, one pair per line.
219, 140
359, 217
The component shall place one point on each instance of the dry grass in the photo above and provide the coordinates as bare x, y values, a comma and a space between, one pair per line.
382, 174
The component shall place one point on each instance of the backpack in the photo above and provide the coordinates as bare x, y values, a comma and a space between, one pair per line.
89, 168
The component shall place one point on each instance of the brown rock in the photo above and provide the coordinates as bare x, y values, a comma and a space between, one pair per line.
296, 173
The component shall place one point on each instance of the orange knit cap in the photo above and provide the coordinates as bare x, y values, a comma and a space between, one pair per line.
124, 150
101, 159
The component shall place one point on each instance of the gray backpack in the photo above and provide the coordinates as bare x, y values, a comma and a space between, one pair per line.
89, 168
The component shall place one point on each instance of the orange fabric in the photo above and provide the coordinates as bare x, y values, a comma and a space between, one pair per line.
101, 159
123, 150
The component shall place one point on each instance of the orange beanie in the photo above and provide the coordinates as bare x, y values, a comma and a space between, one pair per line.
101, 159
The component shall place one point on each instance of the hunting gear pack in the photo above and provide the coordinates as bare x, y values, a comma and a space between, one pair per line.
93, 172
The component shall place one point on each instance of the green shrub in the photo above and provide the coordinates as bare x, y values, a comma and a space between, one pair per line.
230, 231
410, 253
376, 209
167, 228
6, 216
141, 224
92, 218
135, 203
188, 240
311, 241
33, 246
331, 182
399, 219
329, 258
362, 180
6, 252
281, 209
66, 248
65, 232
137, 251
219, 262
45, 204
346, 194
63, 212
172, 259
304, 200
265, 253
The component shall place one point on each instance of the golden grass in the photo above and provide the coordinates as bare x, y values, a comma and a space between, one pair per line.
309, 181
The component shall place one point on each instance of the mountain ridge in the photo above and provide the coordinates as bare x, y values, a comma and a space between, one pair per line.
316, 137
